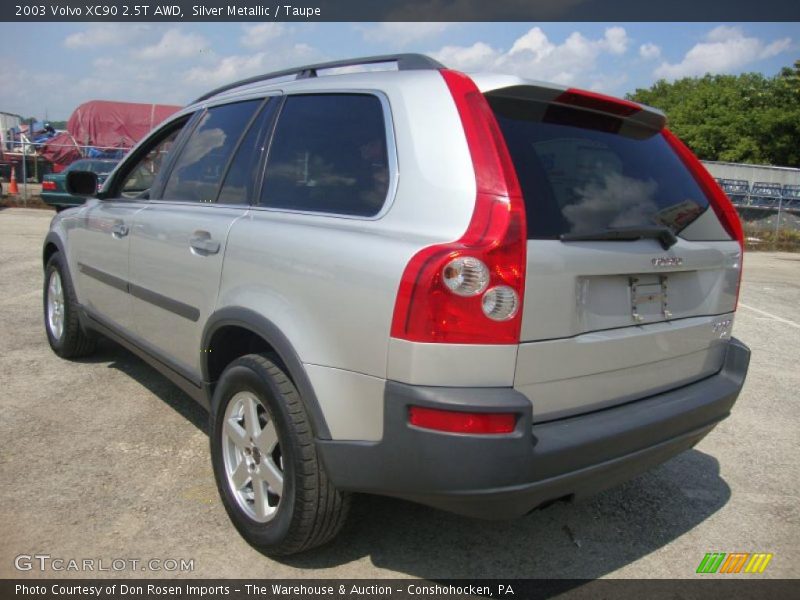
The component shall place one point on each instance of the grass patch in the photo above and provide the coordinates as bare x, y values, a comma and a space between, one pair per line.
18, 202
786, 240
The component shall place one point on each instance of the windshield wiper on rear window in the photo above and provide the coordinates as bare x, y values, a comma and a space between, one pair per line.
664, 235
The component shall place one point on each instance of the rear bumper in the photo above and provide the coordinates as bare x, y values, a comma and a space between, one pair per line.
505, 476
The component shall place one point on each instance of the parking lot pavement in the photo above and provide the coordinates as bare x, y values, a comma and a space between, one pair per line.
103, 458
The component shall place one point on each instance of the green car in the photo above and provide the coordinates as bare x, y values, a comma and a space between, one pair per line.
54, 185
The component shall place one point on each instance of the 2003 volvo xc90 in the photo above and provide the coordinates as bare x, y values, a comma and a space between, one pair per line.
479, 293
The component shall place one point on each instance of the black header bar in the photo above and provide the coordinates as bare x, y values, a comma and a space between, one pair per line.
397, 10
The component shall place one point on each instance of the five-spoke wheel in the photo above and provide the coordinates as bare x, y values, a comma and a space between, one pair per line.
55, 305
252, 454
272, 483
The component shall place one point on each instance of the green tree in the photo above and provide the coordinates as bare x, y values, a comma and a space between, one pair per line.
738, 118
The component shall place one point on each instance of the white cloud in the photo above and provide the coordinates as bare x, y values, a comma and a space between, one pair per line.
107, 34
468, 58
103, 62
535, 56
227, 69
725, 49
258, 36
649, 51
173, 44
400, 34
615, 40
608, 83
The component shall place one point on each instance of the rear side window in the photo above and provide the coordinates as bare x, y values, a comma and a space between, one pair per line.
584, 173
201, 163
328, 154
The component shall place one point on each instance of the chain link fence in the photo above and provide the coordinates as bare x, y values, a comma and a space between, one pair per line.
26, 163
770, 212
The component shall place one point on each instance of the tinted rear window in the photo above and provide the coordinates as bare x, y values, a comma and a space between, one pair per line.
579, 173
329, 154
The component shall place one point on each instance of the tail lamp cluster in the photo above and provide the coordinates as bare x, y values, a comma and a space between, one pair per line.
470, 291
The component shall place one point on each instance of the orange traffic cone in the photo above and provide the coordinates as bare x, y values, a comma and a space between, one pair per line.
12, 185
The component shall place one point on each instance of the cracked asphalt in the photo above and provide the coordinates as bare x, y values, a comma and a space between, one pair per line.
103, 458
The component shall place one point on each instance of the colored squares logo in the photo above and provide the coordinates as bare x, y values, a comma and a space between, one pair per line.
734, 562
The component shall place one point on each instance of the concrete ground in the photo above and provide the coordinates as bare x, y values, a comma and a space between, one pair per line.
103, 458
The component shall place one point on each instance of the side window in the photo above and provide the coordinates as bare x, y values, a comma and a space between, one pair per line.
140, 178
328, 154
241, 173
202, 160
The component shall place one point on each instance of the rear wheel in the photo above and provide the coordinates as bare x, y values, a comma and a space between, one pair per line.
61, 322
269, 477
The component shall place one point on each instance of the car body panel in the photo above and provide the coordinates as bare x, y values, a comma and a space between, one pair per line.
173, 286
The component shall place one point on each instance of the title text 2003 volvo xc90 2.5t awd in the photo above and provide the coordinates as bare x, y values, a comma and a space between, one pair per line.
479, 293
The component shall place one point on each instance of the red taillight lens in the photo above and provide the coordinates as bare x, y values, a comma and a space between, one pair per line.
598, 102
426, 310
461, 422
719, 201
48, 186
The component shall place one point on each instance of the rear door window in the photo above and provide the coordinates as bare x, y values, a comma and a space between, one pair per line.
201, 164
328, 154
583, 173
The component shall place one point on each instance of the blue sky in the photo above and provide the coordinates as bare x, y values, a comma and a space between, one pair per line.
50, 68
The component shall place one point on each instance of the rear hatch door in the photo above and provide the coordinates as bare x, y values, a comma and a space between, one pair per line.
631, 278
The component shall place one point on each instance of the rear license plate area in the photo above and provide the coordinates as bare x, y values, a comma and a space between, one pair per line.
649, 298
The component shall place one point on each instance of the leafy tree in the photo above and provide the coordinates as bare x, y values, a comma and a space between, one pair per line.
738, 118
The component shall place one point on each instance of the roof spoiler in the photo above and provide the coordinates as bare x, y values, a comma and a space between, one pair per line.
632, 112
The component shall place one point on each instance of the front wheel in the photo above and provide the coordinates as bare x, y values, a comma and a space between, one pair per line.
268, 474
61, 322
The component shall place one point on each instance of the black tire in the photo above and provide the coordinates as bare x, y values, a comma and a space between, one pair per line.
311, 511
74, 341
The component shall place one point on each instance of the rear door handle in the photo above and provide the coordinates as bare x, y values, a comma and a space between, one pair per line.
201, 243
119, 230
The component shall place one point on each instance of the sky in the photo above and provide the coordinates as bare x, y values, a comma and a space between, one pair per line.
48, 69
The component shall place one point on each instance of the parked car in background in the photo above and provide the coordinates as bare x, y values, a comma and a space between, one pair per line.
54, 190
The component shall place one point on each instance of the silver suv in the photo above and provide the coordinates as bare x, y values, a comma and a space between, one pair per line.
479, 293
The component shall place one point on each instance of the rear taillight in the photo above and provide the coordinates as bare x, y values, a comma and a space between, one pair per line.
453, 421
48, 186
470, 291
719, 201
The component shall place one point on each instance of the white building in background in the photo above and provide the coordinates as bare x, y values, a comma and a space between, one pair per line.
7, 121
753, 173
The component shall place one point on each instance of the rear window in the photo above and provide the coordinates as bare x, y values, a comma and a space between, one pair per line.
583, 173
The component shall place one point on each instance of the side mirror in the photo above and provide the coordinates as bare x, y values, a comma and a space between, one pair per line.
82, 183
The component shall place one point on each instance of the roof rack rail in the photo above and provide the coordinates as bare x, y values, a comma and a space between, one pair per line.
405, 62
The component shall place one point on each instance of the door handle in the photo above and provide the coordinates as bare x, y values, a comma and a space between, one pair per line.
119, 230
201, 243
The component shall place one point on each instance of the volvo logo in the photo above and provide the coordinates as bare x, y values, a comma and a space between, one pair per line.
667, 261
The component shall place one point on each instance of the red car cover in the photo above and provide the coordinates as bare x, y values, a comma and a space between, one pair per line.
105, 125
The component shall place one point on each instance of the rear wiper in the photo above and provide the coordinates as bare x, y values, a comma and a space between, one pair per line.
664, 235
